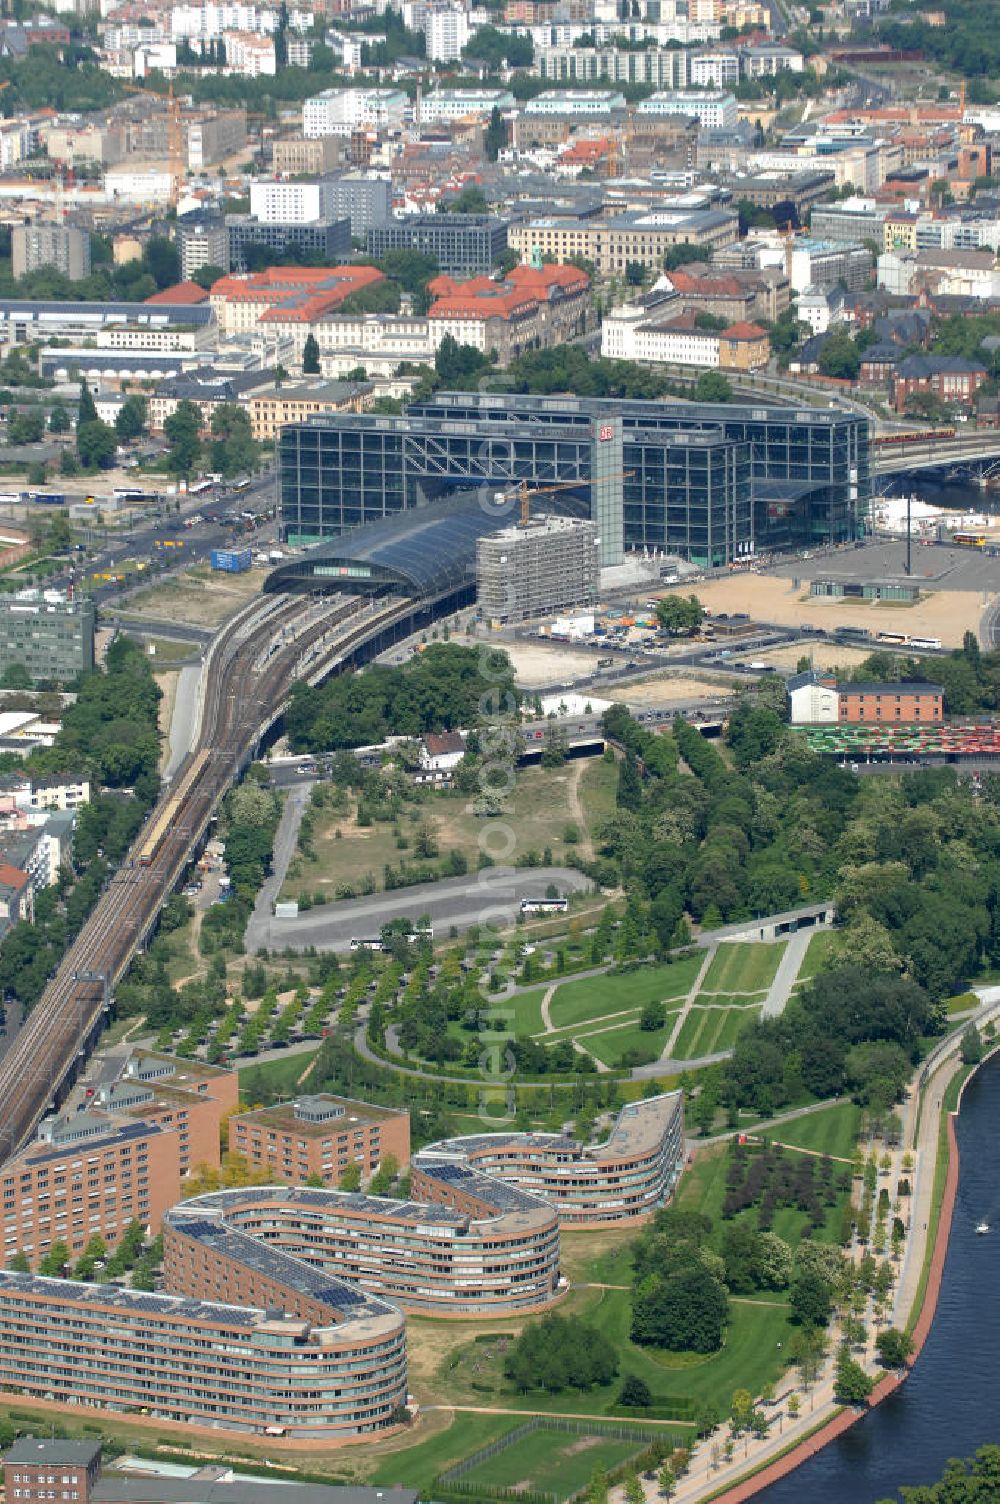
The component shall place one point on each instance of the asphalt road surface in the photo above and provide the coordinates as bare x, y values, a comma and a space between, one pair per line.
490, 896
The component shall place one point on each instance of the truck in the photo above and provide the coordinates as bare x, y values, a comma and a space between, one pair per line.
232, 560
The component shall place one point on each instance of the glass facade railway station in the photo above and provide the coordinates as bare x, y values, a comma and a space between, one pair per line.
713, 483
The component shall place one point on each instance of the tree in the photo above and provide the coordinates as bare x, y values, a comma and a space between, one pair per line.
15, 676
679, 615
234, 448
635, 272
59, 420
839, 357
183, 431
19, 1264
712, 386
810, 1302
95, 444
25, 427
851, 1385
310, 356
634, 1391
557, 1353
893, 1347
162, 260
972, 1045
350, 1179
495, 138
130, 422
633, 1489
86, 411
687, 1312
36, 473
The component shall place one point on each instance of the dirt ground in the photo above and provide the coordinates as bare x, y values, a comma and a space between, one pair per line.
168, 687
946, 614
825, 655
669, 690
198, 597
537, 665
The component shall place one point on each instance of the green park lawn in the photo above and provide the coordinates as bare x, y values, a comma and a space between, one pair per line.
421, 1462
610, 993
551, 1461
817, 956
743, 967
609, 1045
526, 1008
707, 1030
831, 1130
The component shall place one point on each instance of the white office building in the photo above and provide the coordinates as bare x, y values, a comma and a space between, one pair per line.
276, 203
339, 112
456, 104
713, 111
583, 103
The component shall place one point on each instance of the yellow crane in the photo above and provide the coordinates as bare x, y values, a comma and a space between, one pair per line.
524, 492
175, 135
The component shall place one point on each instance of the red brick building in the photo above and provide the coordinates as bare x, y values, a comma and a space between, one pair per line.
38, 1469
950, 378
881, 704
320, 1135
119, 1158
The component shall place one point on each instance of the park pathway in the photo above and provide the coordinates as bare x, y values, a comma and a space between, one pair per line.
692, 993
550, 993
792, 958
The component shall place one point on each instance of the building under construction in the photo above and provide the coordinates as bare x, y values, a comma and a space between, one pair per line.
537, 567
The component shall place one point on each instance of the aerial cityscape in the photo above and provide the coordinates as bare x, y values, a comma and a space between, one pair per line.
499, 751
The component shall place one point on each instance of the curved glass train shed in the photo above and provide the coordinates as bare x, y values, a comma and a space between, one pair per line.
424, 553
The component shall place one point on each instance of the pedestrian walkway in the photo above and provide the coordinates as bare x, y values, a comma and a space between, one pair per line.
789, 966
693, 990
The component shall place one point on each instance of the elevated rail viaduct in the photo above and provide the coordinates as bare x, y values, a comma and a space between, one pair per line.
244, 688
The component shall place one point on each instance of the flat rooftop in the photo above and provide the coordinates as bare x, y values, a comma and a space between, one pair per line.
344, 1114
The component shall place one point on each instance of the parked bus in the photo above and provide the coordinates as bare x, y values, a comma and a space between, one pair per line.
969, 540
544, 905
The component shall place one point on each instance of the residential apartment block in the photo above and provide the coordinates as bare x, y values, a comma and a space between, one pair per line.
320, 1135
146, 1123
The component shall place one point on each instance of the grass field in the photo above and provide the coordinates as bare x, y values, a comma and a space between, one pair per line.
521, 1013
747, 967
706, 1030
544, 803
556, 1462
595, 997
281, 1075
611, 1044
832, 1130
818, 955
417, 1464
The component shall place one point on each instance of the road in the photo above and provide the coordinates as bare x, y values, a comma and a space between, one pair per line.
489, 897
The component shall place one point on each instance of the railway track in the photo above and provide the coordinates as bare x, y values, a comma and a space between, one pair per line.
246, 681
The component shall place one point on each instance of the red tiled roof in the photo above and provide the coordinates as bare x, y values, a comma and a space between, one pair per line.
708, 286
505, 305
181, 292
12, 877
743, 330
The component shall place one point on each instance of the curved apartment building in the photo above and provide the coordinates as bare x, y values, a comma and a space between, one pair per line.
474, 1245
590, 1185
294, 1354
284, 1311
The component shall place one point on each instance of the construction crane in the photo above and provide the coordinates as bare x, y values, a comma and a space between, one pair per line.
175, 135
524, 492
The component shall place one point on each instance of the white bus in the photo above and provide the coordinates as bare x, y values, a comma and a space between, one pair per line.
544, 905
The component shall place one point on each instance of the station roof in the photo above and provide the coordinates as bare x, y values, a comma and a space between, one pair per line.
424, 552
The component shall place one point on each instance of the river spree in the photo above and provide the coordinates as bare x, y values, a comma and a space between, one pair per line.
950, 1404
